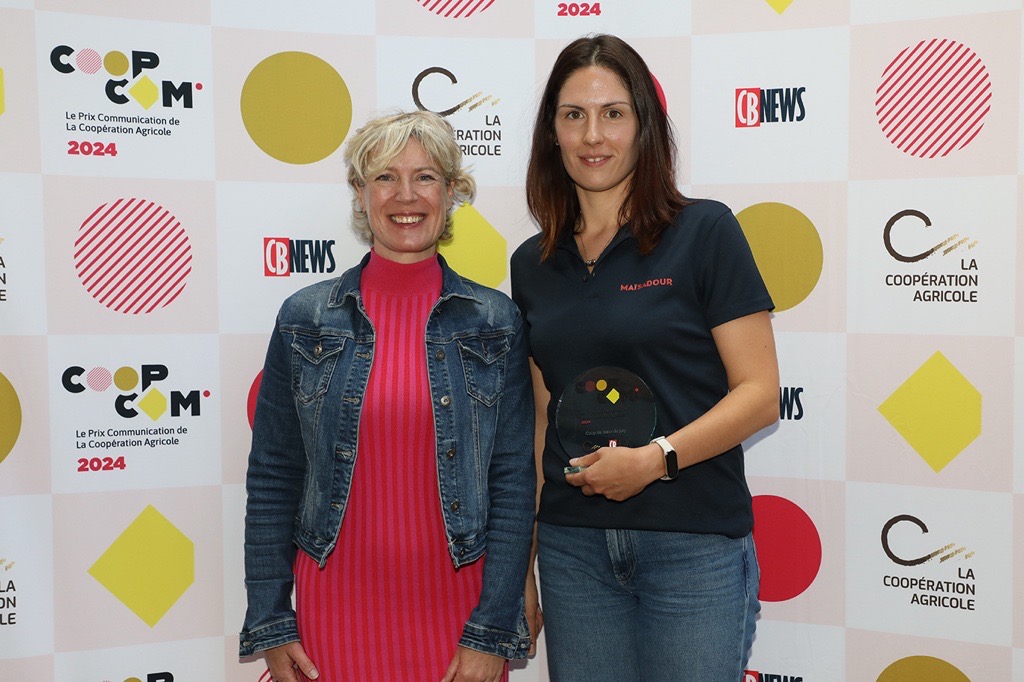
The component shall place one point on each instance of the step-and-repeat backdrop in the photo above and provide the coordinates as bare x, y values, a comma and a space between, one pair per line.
169, 172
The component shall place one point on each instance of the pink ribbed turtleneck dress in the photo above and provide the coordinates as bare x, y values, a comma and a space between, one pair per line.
389, 605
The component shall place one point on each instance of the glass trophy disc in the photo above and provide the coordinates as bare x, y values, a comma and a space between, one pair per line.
605, 406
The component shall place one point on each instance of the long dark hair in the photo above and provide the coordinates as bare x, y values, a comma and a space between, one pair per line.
652, 199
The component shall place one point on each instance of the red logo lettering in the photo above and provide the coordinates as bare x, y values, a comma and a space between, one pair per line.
276, 256
748, 107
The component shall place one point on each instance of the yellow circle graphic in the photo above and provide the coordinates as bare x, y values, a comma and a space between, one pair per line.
477, 250
787, 249
296, 107
116, 63
922, 668
126, 378
601, 384
10, 417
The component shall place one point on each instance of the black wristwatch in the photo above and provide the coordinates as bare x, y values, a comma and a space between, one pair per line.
671, 460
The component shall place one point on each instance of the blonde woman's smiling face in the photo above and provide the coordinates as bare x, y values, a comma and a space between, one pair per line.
406, 205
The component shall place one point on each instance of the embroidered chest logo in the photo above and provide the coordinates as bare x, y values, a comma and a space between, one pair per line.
657, 282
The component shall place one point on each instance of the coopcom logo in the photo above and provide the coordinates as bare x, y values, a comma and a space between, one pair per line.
138, 390
128, 76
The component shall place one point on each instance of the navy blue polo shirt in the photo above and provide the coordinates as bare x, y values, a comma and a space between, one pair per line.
652, 315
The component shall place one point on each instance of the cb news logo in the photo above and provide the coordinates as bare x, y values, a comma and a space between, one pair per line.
138, 392
755, 106
120, 87
791, 405
283, 256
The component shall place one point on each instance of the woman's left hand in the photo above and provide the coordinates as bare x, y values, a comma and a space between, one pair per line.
470, 665
618, 473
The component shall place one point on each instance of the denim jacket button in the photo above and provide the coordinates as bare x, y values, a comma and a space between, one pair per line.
455, 505
439, 354
450, 453
446, 401
318, 349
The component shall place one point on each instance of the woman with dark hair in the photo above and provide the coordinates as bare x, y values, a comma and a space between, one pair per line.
647, 564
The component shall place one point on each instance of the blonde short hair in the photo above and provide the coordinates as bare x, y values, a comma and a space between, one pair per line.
382, 139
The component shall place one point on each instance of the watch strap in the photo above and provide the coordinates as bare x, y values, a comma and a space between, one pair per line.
671, 459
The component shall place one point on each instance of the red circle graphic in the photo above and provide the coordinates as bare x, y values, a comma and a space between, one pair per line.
933, 98
455, 9
788, 548
250, 403
133, 256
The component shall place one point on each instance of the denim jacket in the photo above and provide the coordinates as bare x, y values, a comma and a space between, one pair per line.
306, 436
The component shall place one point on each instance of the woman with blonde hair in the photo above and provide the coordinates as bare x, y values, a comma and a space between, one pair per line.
390, 477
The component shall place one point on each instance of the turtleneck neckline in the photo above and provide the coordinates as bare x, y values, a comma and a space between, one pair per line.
394, 278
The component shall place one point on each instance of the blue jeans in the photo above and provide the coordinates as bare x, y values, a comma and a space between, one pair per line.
627, 605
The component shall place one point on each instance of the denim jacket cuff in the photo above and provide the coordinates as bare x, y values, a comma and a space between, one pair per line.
268, 636
498, 642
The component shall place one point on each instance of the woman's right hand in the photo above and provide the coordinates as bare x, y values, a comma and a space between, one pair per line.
534, 615
289, 663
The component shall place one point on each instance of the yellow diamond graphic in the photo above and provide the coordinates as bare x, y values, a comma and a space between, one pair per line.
779, 6
153, 403
613, 396
936, 410
145, 92
148, 567
477, 250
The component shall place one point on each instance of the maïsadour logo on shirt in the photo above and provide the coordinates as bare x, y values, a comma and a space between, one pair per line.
656, 282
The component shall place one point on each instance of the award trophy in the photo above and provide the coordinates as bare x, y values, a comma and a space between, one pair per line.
604, 406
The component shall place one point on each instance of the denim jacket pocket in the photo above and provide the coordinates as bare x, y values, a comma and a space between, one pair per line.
313, 361
483, 363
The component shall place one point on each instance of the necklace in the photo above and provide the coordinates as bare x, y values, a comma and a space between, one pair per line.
591, 262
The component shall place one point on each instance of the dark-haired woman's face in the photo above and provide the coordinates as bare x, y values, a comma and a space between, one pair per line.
596, 128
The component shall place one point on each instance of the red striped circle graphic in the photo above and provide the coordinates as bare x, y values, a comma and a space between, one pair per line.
88, 60
933, 98
98, 379
133, 256
456, 9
